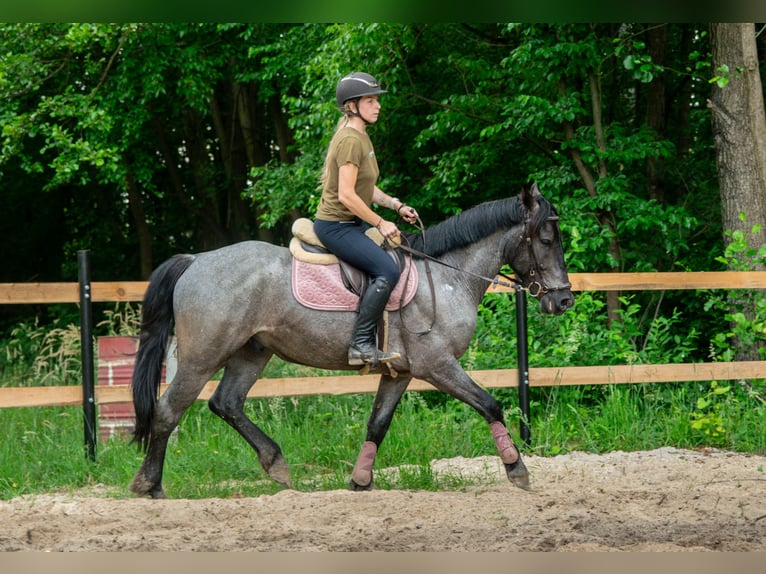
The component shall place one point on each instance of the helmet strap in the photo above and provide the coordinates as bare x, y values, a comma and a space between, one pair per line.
355, 113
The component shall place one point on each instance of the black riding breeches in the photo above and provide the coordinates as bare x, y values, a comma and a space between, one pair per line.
346, 239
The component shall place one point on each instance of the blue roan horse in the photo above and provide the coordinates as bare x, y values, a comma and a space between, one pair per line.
233, 308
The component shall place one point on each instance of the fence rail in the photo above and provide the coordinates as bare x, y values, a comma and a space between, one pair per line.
349, 384
126, 291
123, 291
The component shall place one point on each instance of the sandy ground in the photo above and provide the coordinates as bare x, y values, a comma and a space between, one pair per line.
661, 500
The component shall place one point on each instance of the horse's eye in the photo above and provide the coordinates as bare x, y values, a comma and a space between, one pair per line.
546, 242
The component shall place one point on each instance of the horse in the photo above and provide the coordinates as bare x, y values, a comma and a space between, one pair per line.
233, 309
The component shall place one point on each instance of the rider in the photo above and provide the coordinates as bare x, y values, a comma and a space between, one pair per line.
344, 212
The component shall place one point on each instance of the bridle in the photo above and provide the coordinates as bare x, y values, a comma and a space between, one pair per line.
534, 288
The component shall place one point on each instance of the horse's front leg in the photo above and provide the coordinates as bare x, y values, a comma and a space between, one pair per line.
390, 391
515, 469
453, 380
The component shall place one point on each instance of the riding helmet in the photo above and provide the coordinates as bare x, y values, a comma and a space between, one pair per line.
355, 85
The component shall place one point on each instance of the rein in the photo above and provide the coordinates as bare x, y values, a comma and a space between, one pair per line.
514, 283
494, 281
534, 288
428, 274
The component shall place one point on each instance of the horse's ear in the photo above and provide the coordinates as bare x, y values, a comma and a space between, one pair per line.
529, 197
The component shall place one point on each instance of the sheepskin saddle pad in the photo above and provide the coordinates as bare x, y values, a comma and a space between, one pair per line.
321, 281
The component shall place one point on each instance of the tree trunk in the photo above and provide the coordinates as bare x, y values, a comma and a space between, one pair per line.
739, 130
605, 218
142, 227
655, 110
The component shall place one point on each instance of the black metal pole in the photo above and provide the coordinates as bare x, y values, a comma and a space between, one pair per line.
86, 343
523, 363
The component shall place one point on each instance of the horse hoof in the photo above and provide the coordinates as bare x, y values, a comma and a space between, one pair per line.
280, 472
141, 486
354, 487
518, 474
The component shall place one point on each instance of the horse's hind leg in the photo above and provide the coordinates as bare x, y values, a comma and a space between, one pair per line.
180, 395
390, 391
228, 401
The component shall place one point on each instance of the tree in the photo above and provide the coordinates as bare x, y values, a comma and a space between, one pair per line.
739, 128
149, 139
153, 127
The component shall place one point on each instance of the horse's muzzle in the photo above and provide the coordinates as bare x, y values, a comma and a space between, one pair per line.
555, 302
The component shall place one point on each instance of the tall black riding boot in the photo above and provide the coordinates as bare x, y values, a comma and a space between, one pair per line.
363, 347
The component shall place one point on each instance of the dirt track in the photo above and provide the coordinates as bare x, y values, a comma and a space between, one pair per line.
662, 500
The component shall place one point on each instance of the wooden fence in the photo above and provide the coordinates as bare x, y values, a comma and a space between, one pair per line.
49, 293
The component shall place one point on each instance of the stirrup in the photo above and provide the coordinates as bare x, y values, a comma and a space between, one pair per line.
373, 356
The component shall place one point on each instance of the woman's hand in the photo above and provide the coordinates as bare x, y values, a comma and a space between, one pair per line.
388, 229
408, 213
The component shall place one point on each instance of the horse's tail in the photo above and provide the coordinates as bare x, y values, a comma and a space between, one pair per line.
157, 323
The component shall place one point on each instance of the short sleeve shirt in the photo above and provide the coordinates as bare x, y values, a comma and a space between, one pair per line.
348, 146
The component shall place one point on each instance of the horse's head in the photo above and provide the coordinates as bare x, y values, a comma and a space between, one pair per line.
537, 256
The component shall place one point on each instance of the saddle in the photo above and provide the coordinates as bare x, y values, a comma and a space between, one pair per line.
306, 246
322, 281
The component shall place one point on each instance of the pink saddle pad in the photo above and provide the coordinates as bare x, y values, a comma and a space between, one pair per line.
321, 287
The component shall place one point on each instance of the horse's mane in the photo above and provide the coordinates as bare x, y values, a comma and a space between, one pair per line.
477, 223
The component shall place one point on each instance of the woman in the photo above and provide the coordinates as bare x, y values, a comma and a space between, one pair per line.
344, 213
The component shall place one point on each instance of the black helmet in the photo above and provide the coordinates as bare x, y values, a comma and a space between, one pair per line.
356, 85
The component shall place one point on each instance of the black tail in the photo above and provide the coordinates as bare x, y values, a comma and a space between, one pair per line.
157, 323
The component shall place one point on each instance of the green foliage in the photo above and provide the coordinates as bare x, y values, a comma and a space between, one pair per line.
301, 195
722, 77
50, 353
211, 133
320, 436
581, 336
707, 416
743, 310
123, 320
637, 60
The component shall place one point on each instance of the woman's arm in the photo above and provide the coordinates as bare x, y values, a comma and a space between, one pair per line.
407, 212
347, 195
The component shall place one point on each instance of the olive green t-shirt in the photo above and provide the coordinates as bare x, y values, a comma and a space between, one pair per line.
348, 146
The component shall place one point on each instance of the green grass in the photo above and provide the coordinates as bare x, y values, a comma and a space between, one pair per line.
42, 448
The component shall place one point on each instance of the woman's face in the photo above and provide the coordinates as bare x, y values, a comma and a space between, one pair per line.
369, 107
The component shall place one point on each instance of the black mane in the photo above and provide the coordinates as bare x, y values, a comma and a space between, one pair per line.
476, 223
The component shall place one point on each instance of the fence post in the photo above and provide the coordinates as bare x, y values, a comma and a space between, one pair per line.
523, 363
86, 345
